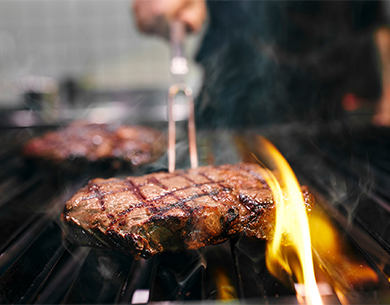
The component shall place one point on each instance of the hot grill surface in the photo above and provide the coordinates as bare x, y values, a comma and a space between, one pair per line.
38, 266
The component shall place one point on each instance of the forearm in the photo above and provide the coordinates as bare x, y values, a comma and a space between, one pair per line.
382, 41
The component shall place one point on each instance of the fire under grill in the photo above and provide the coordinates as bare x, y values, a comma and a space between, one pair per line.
349, 174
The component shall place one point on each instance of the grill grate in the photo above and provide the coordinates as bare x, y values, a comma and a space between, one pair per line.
37, 266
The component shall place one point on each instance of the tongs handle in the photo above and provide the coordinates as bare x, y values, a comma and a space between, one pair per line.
177, 37
179, 68
178, 60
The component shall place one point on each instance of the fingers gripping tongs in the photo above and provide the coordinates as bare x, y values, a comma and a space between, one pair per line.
179, 69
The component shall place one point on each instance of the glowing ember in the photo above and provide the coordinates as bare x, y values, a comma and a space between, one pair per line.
291, 227
225, 289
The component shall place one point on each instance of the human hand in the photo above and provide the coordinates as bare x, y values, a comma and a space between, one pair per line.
382, 111
154, 16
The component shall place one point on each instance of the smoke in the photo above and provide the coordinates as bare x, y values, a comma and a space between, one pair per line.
271, 62
106, 267
366, 188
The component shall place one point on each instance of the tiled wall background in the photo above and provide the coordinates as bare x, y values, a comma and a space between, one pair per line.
92, 41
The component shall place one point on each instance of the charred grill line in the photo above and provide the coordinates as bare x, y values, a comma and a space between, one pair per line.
96, 190
123, 213
250, 204
211, 181
101, 195
154, 180
114, 221
187, 178
180, 204
261, 179
177, 190
208, 178
153, 209
135, 190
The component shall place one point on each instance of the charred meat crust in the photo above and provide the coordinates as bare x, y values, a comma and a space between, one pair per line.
187, 209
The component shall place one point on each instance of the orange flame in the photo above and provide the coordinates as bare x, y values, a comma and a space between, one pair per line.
348, 270
291, 227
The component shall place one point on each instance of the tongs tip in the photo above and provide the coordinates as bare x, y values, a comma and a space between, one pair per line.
179, 68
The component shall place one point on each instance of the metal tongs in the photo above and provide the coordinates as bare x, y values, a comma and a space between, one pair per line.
179, 69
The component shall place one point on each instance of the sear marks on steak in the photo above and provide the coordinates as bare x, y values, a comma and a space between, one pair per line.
187, 209
92, 142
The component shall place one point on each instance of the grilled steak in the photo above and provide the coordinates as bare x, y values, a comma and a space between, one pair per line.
162, 211
91, 142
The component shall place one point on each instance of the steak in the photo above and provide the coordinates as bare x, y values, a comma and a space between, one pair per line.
186, 209
92, 142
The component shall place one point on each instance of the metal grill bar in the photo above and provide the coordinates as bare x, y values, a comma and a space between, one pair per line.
63, 275
178, 277
100, 280
139, 278
27, 272
254, 278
